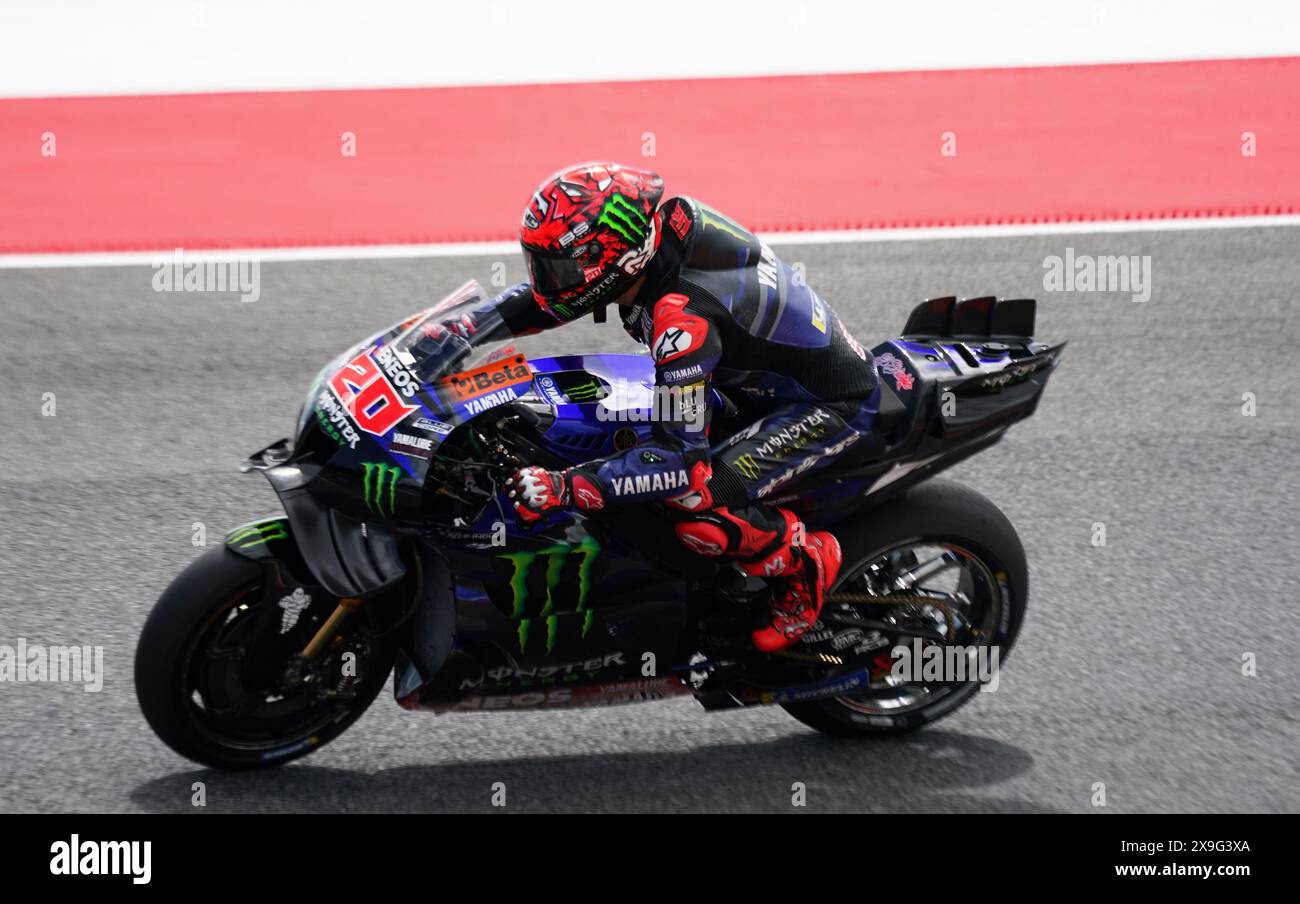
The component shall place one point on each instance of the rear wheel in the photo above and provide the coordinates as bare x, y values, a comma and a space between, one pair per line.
204, 695
942, 568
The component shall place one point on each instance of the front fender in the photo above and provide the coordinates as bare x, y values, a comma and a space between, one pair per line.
276, 547
324, 546
270, 542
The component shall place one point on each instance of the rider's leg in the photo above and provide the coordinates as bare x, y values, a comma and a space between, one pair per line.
725, 516
770, 542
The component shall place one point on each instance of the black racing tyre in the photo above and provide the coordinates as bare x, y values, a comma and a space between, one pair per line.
936, 515
188, 671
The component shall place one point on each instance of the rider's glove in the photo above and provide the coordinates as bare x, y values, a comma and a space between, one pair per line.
536, 491
464, 327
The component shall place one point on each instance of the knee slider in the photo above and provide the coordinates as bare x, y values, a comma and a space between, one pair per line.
702, 538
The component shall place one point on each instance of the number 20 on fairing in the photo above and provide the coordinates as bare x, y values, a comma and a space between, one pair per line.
368, 395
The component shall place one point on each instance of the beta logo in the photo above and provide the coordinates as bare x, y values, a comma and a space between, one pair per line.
368, 395
491, 377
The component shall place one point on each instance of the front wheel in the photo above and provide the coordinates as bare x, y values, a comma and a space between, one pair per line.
941, 564
204, 693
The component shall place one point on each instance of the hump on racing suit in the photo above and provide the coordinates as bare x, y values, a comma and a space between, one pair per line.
780, 338
719, 307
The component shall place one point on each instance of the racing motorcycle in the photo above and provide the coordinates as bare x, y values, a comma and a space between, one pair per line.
397, 552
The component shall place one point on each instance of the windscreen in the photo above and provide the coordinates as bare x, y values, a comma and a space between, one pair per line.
459, 333
395, 397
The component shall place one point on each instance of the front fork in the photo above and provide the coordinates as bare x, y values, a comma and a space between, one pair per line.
298, 672
325, 633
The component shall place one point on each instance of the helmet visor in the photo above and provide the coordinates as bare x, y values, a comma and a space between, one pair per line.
552, 276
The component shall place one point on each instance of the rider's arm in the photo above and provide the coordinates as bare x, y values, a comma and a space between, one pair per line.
675, 462
522, 314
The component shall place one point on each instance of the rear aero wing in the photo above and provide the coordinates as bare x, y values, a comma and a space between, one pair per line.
985, 400
982, 316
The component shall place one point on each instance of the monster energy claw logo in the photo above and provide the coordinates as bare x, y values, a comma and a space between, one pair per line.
257, 534
748, 466
714, 220
622, 216
583, 392
379, 484
556, 556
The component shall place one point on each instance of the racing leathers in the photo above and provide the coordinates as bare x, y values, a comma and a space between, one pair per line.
717, 308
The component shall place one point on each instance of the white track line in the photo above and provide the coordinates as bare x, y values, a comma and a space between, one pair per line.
482, 249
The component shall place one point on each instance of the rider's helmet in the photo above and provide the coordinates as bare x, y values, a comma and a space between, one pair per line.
587, 232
